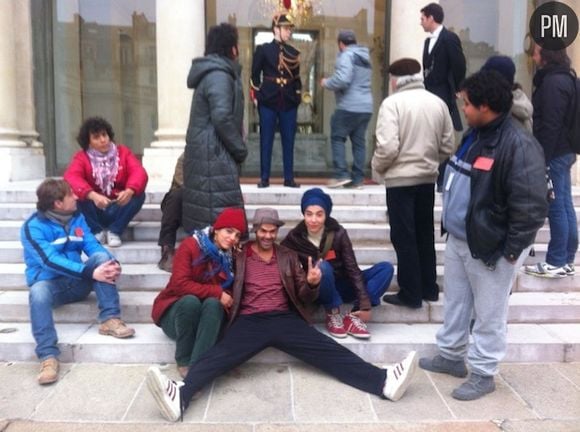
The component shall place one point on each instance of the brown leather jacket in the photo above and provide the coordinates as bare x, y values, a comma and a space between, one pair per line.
301, 295
343, 260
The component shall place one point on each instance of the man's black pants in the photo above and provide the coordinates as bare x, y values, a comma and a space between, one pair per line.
412, 235
288, 332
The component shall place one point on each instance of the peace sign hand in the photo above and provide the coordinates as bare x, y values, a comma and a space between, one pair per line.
314, 273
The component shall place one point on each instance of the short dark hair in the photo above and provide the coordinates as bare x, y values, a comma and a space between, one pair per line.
489, 88
49, 191
555, 57
435, 10
93, 125
221, 39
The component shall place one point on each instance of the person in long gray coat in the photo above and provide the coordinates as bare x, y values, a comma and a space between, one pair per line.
215, 145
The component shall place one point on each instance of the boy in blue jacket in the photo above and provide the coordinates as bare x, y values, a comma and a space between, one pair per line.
53, 239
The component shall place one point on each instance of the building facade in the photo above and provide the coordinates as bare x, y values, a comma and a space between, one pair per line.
65, 60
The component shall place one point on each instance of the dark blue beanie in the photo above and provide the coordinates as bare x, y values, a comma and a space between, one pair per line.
316, 196
502, 64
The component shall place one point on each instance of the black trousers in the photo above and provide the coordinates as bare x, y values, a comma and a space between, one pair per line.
286, 331
412, 235
170, 217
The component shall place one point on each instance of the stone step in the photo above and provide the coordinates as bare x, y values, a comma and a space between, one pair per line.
291, 213
24, 192
389, 343
367, 232
136, 308
149, 253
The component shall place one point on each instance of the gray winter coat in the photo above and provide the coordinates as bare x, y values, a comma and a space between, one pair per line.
214, 141
351, 80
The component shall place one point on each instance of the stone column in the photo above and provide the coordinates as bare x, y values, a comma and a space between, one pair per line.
21, 155
180, 38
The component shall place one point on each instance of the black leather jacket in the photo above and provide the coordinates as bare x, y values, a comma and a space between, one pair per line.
508, 202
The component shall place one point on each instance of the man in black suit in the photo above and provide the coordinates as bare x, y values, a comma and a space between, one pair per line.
443, 60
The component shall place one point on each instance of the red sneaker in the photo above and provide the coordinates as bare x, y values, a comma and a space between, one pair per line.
356, 327
335, 326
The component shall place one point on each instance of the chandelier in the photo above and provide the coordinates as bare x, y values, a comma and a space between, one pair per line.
300, 10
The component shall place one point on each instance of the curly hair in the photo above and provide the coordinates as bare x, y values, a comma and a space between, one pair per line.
49, 191
489, 88
221, 39
93, 125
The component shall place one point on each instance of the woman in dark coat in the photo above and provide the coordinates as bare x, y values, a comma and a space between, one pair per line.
215, 145
553, 98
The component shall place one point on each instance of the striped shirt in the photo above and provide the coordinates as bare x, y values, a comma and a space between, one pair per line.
263, 289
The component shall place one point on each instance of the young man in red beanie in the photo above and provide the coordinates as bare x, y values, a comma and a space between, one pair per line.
271, 298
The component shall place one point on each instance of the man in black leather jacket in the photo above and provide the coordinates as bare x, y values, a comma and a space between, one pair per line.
494, 202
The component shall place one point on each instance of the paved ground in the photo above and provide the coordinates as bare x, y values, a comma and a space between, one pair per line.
289, 398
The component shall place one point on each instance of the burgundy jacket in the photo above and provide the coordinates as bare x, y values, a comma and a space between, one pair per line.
188, 279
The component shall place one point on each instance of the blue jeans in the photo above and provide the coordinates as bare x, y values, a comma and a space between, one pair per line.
49, 294
344, 124
336, 291
287, 122
114, 218
563, 225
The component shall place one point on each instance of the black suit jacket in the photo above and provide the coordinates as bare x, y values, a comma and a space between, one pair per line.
444, 69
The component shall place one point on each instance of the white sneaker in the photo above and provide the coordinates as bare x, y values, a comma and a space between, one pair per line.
336, 183
113, 239
570, 269
399, 377
545, 270
165, 391
101, 237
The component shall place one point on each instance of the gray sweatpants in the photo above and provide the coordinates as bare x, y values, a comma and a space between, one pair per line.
473, 290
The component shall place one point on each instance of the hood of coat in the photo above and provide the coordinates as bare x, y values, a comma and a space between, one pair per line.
361, 51
522, 108
201, 66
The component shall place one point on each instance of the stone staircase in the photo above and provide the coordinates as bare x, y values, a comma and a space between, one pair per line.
544, 317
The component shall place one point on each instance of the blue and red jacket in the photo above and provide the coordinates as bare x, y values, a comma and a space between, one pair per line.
50, 251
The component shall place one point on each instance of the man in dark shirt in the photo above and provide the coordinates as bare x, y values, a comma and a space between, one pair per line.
272, 297
276, 87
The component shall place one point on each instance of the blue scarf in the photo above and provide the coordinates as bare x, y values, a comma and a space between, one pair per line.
210, 252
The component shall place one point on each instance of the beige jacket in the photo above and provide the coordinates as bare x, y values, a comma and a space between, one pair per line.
414, 134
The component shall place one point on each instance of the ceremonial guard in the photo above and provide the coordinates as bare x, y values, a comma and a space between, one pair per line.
276, 87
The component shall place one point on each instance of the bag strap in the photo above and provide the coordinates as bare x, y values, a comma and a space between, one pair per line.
327, 244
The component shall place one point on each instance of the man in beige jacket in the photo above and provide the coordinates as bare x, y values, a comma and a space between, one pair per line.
414, 134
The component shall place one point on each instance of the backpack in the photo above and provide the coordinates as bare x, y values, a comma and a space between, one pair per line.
574, 119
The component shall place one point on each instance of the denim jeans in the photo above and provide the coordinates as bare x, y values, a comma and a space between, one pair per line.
287, 123
335, 291
49, 294
195, 326
561, 214
344, 124
115, 218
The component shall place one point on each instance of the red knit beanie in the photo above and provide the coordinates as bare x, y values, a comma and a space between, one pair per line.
231, 217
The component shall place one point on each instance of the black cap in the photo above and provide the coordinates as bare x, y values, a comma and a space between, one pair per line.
405, 66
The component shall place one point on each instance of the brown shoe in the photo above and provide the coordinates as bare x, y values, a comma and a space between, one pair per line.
48, 371
166, 261
117, 328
